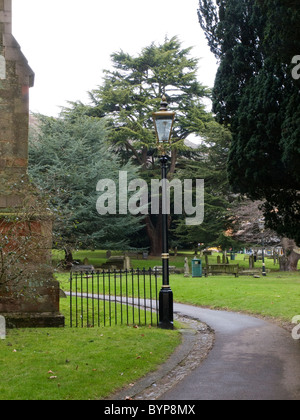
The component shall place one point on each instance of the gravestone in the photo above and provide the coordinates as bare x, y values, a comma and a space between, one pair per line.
186, 267
82, 268
251, 262
29, 296
108, 254
127, 263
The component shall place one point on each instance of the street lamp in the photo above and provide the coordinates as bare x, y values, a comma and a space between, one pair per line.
163, 122
261, 224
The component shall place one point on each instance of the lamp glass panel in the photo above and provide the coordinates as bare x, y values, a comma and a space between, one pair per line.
164, 127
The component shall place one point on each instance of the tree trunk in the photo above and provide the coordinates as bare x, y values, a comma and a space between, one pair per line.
173, 163
289, 261
154, 234
154, 230
68, 255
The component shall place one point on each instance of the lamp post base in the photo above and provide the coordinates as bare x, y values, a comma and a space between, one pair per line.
166, 308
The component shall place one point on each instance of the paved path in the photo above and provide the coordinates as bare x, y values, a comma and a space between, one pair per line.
251, 360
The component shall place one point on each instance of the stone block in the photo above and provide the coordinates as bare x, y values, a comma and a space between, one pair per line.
3, 202
14, 201
29, 320
2, 164
29, 296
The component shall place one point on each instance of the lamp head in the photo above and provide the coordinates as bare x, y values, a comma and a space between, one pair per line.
163, 122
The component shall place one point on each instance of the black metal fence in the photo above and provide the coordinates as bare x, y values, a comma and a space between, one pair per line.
100, 298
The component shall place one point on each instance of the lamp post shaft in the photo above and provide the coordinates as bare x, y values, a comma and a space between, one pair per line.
263, 257
166, 294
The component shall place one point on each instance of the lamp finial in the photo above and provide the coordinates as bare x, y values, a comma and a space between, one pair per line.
164, 104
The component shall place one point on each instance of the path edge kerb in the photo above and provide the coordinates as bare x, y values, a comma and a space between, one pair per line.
190, 335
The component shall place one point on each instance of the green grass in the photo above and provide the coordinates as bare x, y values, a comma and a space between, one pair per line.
87, 363
93, 312
276, 295
91, 363
98, 257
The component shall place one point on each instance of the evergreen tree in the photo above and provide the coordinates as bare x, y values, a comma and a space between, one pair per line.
68, 156
209, 163
132, 91
256, 96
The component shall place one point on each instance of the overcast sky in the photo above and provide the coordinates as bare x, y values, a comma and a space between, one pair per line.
68, 43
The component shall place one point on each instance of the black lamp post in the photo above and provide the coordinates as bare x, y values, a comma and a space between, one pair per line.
163, 121
261, 224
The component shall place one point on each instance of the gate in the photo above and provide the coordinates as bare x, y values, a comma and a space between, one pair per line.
101, 298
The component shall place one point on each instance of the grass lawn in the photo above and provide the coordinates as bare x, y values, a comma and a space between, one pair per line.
98, 257
91, 363
79, 364
277, 295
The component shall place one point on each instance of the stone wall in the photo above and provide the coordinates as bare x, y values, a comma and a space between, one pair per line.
28, 294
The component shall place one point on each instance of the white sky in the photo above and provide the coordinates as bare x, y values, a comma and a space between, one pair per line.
68, 43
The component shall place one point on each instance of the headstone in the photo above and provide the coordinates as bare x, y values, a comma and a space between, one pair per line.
82, 268
23, 220
186, 267
283, 263
218, 259
206, 259
251, 261
127, 263
108, 254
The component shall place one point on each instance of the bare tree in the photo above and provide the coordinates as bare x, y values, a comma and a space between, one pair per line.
247, 215
246, 220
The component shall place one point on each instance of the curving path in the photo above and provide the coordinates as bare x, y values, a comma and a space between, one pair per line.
251, 360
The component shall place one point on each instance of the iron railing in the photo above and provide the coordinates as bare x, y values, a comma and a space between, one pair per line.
100, 298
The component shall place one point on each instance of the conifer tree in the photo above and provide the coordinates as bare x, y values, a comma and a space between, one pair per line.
256, 96
132, 91
68, 156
